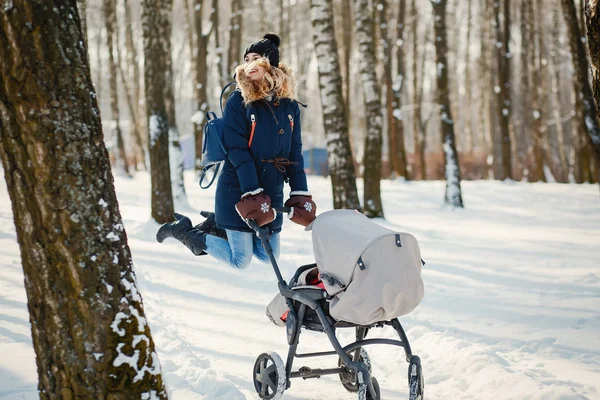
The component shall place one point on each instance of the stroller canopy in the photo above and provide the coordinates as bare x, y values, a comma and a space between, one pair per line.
339, 239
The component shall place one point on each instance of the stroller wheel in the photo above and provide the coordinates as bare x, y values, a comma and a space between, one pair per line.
416, 383
365, 394
269, 376
347, 376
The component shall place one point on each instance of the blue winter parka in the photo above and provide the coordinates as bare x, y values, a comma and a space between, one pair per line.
249, 165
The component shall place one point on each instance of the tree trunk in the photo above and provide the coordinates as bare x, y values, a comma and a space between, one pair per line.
157, 32
539, 88
592, 12
453, 193
86, 312
484, 138
235, 36
418, 171
263, 15
372, 155
346, 52
585, 106
527, 64
468, 89
339, 153
397, 89
82, 8
175, 152
136, 113
553, 70
382, 16
504, 101
112, 40
200, 61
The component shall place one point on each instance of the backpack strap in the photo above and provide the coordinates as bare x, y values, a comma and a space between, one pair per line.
223, 92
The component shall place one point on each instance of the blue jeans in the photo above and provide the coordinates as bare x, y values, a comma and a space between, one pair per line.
237, 251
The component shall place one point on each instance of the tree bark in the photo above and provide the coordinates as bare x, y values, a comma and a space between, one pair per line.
504, 99
592, 12
585, 105
82, 8
112, 40
156, 31
373, 207
453, 193
339, 153
86, 312
397, 89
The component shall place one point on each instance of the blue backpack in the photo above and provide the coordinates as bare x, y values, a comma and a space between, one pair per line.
213, 149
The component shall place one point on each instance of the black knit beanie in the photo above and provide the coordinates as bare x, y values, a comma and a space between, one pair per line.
267, 47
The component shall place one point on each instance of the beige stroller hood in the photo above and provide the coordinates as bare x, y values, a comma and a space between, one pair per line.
373, 273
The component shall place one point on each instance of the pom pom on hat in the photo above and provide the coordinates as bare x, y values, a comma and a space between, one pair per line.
273, 38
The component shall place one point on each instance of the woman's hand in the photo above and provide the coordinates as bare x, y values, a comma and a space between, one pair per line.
303, 209
257, 206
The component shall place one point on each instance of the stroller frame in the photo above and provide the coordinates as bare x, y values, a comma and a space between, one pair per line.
307, 297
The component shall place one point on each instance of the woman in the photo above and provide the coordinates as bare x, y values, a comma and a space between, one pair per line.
264, 148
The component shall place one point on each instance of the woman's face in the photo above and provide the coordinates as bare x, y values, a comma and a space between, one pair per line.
254, 66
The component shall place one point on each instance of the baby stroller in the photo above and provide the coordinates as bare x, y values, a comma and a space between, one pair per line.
345, 288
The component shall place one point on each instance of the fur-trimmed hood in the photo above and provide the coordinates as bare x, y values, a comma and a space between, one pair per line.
253, 91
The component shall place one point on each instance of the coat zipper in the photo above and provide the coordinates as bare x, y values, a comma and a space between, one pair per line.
272, 112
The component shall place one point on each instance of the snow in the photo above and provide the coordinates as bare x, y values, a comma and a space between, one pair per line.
511, 307
197, 118
440, 69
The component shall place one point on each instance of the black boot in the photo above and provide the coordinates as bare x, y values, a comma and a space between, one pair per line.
210, 225
174, 229
182, 230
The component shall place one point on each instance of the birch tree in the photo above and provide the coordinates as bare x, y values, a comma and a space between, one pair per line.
373, 207
156, 31
88, 327
335, 121
453, 193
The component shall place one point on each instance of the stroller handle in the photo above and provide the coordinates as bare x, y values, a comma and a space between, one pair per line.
263, 234
257, 228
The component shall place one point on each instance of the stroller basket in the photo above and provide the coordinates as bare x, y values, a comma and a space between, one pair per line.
310, 307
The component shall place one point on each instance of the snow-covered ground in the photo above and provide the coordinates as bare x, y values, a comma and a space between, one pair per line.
511, 307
